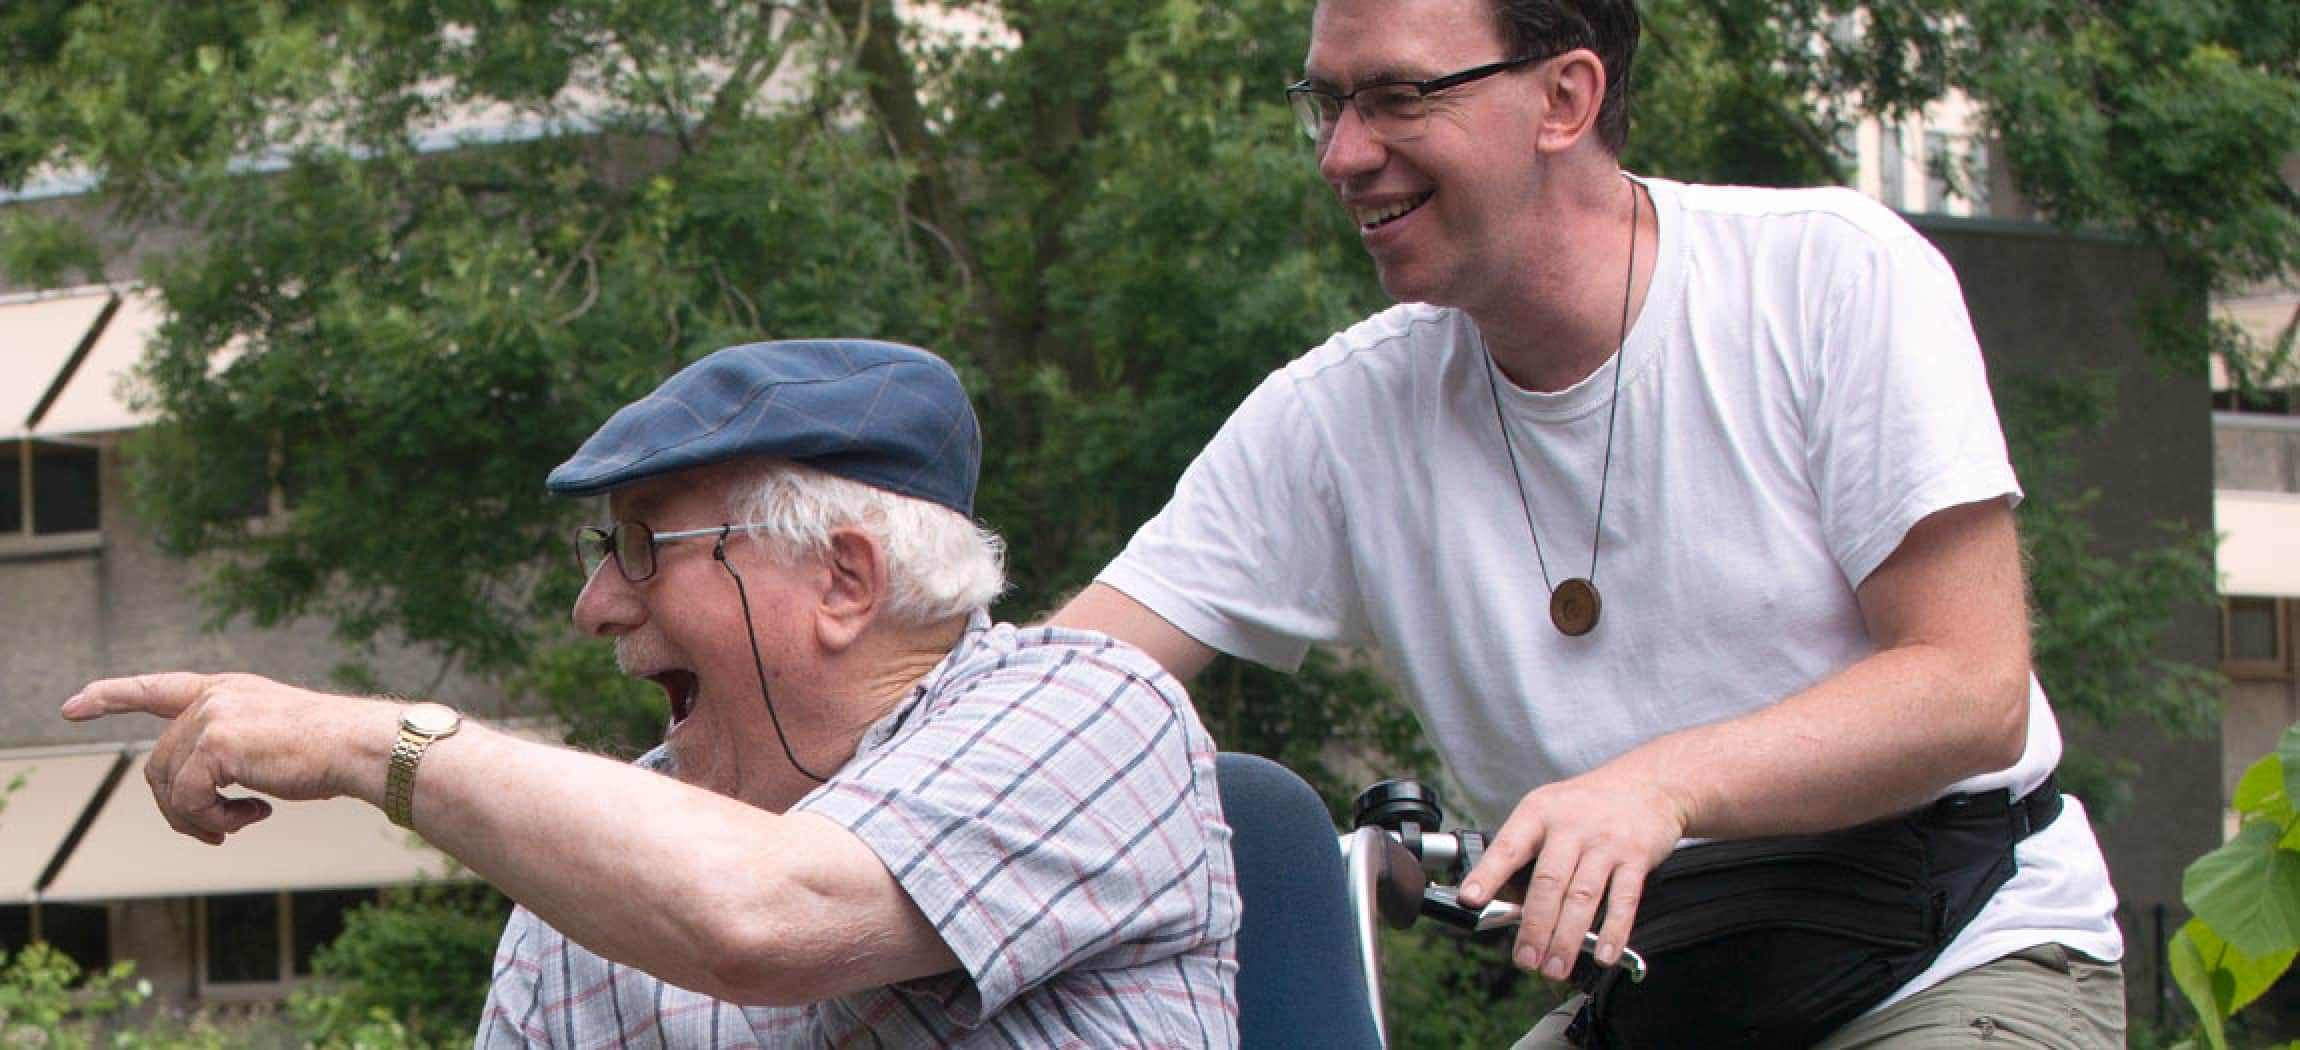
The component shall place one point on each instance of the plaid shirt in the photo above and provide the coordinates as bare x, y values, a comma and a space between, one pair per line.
1047, 798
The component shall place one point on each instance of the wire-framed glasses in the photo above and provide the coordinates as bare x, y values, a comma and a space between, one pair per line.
1392, 109
632, 544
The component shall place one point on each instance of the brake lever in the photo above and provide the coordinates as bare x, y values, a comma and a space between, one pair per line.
1443, 903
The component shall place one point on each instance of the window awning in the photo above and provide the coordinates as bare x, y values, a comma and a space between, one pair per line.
40, 815
130, 851
38, 338
2259, 543
94, 398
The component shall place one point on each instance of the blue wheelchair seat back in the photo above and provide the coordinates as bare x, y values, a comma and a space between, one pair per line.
1301, 979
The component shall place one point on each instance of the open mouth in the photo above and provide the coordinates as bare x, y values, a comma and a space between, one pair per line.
1369, 219
679, 687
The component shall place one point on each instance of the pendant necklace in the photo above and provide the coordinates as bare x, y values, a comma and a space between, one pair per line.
1574, 604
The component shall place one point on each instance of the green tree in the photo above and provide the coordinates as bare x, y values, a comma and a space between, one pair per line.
1103, 215
1100, 211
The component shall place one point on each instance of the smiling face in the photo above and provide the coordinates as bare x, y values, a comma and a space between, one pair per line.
683, 629
1445, 215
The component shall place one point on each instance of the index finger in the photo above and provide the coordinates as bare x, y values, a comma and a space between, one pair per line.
166, 695
1508, 858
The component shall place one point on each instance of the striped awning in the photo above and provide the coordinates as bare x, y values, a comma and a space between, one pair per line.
54, 792
129, 851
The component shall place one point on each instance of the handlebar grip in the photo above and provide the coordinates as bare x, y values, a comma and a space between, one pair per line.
1443, 903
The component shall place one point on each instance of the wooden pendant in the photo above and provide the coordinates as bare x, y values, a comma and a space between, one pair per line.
1573, 607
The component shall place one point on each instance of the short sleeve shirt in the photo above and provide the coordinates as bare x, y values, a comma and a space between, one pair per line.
1047, 798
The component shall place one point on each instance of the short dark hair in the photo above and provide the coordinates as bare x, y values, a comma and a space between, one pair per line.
1608, 27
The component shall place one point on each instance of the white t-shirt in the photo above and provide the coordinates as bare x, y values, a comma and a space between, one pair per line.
1801, 387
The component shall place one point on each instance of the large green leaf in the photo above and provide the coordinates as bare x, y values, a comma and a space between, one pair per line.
2288, 762
2237, 978
2198, 981
2248, 891
2262, 793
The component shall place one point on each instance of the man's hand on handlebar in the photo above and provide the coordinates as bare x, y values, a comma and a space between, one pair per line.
1589, 840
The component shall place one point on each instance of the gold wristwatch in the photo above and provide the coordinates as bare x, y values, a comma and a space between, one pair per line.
419, 725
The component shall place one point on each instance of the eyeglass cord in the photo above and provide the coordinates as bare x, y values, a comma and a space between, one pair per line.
719, 551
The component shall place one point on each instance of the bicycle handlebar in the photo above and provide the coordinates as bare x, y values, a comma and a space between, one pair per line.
1395, 850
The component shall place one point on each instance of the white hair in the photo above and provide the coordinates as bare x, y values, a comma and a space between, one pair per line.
939, 563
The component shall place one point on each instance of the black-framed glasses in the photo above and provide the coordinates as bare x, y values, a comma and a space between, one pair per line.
632, 544
1392, 109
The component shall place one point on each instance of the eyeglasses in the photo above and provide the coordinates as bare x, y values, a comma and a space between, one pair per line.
1392, 109
632, 544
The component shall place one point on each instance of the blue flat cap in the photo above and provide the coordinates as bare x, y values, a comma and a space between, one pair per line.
886, 415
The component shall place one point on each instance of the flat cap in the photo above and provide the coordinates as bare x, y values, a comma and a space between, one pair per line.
884, 414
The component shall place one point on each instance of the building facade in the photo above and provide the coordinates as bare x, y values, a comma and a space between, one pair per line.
86, 863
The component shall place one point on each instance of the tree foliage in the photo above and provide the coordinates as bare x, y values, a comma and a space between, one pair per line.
418, 959
412, 250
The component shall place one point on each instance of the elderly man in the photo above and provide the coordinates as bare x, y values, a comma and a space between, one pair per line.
894, 823
1755, 422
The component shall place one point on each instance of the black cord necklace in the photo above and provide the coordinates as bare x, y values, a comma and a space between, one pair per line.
1574, 604
758, 664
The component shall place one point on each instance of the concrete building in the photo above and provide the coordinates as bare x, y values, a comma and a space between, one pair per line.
2256, 501
86, 863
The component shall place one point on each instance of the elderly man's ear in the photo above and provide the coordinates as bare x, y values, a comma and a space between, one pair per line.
854, 586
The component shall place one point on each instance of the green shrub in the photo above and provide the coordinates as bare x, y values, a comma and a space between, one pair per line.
409, 970
45, 1002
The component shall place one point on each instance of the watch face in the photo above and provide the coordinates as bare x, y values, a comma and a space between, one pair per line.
430, 719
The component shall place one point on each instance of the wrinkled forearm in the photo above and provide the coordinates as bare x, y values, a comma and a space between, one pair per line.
703, 891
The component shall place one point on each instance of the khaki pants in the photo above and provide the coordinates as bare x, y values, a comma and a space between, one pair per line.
2046, 996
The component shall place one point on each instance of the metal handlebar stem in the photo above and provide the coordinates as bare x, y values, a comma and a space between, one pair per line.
1362, 851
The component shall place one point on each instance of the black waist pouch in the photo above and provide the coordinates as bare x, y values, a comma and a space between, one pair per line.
1775, 942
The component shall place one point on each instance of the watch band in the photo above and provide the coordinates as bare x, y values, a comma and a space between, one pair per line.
419, 726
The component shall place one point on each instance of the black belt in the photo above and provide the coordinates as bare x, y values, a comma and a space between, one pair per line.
2039, 808
2028, 814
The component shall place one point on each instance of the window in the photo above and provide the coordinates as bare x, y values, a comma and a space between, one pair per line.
2270, 401
1891, 187
1940, 166
318, 921
82, 932
1848, 146
2253, 637
1976, 162
243, 932
15, 928
253, 943
13, 494
1956, 174
46, 489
